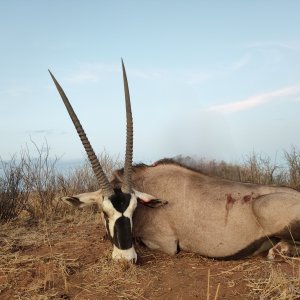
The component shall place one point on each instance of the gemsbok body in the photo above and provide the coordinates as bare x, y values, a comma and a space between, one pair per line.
170, 207
212, 216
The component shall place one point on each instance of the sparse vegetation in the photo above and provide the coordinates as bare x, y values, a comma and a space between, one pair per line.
49, 250
34, 185
14, 191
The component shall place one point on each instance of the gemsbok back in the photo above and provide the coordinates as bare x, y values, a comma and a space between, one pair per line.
194, 212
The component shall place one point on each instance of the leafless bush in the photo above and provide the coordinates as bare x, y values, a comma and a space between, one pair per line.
35, 185
40, 175
293, 165
260, 169
14, 191
82, 179
213, 167
256, 168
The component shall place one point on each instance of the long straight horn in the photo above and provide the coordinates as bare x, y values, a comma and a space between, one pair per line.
102, 179
129, 137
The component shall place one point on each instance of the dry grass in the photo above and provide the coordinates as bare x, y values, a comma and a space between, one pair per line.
35, 275
35, 264
119, 278
277, 283
68, 260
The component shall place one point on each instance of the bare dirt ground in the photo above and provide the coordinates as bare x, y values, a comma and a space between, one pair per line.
69, 260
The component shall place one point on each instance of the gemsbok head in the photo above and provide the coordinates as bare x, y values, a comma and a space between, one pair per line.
116, 204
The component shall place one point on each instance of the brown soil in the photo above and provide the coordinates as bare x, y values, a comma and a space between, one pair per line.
69, 260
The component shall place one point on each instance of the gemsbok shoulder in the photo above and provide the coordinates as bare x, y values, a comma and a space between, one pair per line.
194, 212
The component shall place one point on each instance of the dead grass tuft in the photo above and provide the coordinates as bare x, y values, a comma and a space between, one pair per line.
121, 278
277, 282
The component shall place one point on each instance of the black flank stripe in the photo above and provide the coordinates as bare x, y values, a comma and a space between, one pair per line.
250, 249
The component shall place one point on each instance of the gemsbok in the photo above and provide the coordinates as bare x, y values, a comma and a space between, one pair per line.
194, 212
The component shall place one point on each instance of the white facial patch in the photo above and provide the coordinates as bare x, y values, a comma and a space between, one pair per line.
112, 214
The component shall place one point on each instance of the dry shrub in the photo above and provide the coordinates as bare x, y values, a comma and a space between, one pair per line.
40, 174
256, 168
82, 179
14, 191
33, 183
260, 169
293, 164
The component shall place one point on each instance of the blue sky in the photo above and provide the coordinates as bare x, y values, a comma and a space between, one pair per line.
214, 79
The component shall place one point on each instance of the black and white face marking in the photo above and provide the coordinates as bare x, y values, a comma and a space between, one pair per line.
118, 210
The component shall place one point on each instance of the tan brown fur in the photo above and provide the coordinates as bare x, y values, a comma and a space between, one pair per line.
208, 215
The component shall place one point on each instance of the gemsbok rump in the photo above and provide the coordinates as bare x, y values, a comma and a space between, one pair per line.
194, 212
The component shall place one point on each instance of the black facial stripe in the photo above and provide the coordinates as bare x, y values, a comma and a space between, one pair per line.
122, 233
120, 201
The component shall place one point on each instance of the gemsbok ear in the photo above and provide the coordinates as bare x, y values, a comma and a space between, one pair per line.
149, 200
84, 199
72, 201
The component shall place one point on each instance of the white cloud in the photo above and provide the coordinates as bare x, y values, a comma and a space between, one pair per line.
151, 74
82, 77
90, 73
240, 63
17, 92
45, 131
193, 78
232, 107
275, 44
11, 92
